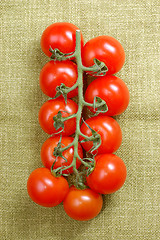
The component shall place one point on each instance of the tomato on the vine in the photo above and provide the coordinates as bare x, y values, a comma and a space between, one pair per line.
108, 175
61, 35
51, 108
112, 90
48, 158
45, 189
106, 49
54, 73
109, 130
82, 205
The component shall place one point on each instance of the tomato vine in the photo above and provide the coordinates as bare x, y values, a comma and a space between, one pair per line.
98, 68
62, 153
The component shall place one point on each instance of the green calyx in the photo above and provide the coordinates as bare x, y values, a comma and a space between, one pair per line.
99, 106
57, 55
62, 90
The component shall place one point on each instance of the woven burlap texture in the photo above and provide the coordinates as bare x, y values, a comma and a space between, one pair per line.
133, 211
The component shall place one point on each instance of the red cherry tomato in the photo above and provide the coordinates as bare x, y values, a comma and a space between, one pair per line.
108, 175
61, 35
50, 108
109, 130
54, 73
106, 49
82, 205
112, 90
45, 189
48, 158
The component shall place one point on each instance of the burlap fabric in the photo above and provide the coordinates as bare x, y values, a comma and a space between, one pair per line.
132, 212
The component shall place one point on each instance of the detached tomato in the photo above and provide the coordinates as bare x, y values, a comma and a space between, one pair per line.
45, 189
48, 158
112, 90
82, 205
50, 108
109, 130
106, 49
61, 35
108, 175
54, 73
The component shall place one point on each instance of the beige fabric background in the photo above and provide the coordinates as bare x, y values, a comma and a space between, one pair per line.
131, 213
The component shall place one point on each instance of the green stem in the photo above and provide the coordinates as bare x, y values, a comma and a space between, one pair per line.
72, 88
69, 117
80, 97
81, 104
91, 138
88, 104
67, 147
89, 69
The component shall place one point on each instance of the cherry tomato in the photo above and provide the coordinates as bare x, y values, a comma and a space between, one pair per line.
50, 108
108, 175
82, 205
54, 73
45, 189
48, 158
61, 35
112, 90
106, 49
109, 130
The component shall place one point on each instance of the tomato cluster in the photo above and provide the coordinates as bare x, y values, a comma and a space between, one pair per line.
100, 135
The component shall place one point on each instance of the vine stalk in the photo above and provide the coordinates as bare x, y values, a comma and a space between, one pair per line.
81, 103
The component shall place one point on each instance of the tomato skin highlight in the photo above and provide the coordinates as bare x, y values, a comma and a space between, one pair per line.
112, 90
109, 130
106, 49
48, 158
54, 73
61, 35
45, 189
50, 108
82, 205
108, 175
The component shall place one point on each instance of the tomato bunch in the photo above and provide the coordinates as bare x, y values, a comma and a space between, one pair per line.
73, 141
